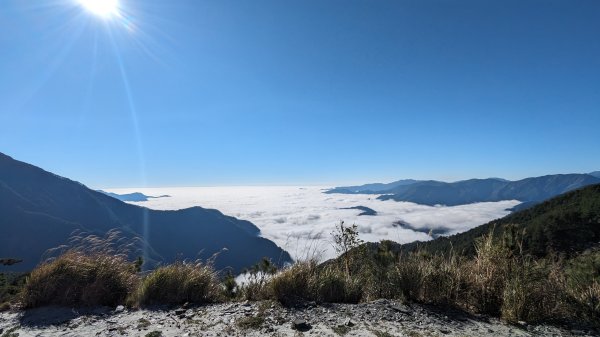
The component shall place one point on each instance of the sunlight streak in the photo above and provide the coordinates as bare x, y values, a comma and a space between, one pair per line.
137, 134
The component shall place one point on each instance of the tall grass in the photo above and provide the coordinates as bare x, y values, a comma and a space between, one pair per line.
499, 280
179, 283
92, 271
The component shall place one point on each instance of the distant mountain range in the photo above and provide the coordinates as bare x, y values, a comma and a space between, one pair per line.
135, 196
430, 192
373, 188
39, 210
567, 224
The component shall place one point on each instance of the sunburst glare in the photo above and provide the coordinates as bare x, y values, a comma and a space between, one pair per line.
102, 8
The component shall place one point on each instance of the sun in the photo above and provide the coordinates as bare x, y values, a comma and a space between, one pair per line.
102, 8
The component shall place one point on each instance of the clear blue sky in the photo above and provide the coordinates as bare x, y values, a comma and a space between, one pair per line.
176, 93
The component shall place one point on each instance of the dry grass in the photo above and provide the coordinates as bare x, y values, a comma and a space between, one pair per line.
179, 283
92, 271
499, 280
307, 281
292, 283
331, 284
80, 279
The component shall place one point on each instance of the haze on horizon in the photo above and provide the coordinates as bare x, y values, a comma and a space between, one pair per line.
198, 93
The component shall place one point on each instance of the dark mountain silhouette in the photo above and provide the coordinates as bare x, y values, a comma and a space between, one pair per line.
372, 188
135, 196
39, 210
595, 174
567, 224
529, 190
364, 210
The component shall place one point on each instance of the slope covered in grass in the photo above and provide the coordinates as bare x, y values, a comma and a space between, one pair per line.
567, 224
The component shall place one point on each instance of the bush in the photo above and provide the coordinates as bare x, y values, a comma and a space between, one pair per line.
11, 286
258, 277
487, 274
78, 278
532, 293
179, 283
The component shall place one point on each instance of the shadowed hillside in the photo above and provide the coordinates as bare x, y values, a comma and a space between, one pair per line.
568, 224
431, 192
39, 210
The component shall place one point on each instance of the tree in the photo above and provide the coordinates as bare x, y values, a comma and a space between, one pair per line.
345, 238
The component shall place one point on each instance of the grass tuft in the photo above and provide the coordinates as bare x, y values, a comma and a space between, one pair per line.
179, 283
90, 273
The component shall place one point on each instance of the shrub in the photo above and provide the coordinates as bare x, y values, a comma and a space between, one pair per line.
11, 286
179, 283
257, 279
486, 275
531, 292
78, 278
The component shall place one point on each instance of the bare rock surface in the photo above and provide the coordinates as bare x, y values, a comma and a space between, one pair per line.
380, 318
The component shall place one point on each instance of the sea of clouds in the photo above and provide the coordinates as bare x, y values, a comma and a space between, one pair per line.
301, 219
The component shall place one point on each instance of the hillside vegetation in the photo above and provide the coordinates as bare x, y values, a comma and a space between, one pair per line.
567, 224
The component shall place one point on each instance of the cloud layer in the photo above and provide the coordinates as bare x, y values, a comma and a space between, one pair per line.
300, 219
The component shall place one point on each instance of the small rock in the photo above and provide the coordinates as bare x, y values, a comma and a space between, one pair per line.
348, 322
300, 325
400, 309
179, 312
120, 308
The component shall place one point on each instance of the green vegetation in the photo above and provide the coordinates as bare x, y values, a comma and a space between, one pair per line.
568, 225
255, 287
341, 329
11, 285
143, 323
251, 322
154, 334
11, 332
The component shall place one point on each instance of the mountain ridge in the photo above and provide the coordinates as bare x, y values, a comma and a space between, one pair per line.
566, 224
40, 210
432, 192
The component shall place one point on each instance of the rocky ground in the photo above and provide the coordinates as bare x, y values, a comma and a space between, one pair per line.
380, 318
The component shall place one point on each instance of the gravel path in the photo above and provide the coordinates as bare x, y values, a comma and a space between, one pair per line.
380, 318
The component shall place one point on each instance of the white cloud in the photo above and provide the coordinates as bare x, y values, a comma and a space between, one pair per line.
300, 219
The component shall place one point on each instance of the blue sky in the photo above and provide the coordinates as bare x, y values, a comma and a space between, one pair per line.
177, 93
